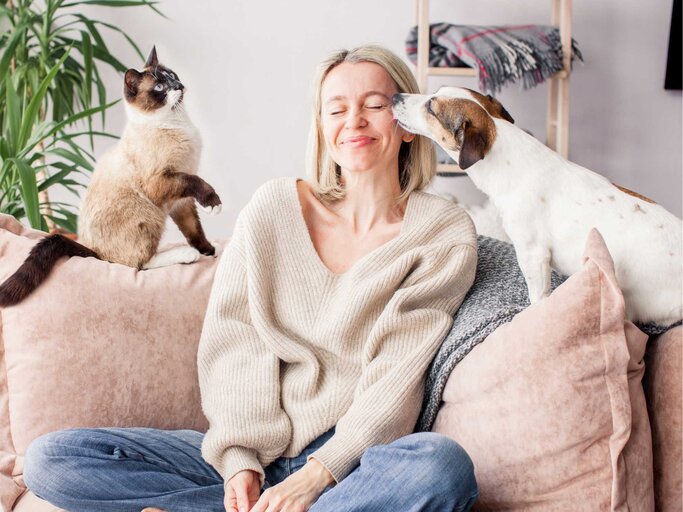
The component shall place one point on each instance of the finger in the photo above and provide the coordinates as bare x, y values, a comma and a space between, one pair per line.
242, 498
230, 502
262, 504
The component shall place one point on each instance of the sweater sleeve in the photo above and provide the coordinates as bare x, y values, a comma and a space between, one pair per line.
238, 376
397, 354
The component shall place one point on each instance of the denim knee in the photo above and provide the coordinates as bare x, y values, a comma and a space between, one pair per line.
42, 458
447, 462
36, 460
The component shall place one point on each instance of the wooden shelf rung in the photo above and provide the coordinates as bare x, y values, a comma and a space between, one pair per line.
451, 72
449, 169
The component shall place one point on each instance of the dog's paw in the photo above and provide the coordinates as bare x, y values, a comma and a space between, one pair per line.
212, 210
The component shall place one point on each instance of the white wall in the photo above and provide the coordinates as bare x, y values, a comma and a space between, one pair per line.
247, 65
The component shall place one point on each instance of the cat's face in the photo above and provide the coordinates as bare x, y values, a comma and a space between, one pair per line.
154, 89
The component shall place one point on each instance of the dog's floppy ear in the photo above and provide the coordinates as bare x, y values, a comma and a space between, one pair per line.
132, 81
474, 145
501, 109
152, 59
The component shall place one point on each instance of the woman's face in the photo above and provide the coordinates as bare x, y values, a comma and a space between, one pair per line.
357, 123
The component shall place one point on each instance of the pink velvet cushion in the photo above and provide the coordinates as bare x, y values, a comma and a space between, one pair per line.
664, 393
98, 344
550, 406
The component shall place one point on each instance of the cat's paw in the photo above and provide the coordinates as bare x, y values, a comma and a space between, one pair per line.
217, 246
211, 210
209, 201
186, 255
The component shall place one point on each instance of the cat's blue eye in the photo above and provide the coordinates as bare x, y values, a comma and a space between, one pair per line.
159, 87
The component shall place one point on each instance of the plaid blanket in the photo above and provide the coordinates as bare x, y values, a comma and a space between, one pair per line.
530, 53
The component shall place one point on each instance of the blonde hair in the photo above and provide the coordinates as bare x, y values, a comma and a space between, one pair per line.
417, 159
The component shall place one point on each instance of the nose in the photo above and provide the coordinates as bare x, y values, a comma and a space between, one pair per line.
179, 86
355, 118
397, 99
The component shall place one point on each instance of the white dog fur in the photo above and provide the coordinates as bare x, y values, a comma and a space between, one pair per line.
548, 205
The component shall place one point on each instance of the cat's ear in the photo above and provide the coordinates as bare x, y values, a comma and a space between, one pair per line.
132, 81
152, 59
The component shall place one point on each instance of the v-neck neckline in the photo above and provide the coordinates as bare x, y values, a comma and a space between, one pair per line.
310, 246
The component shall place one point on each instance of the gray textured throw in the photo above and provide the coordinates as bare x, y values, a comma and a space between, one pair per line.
500, 54
498, 293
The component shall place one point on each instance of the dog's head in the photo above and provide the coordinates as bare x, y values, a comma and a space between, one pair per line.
459, 120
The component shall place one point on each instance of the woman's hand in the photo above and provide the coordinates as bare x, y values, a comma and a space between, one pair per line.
297, 492
242, 491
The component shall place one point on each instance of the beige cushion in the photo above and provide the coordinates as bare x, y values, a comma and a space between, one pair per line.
664, 392
98, 344
550, 406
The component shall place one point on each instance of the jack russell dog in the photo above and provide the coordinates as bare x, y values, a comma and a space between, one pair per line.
548, 205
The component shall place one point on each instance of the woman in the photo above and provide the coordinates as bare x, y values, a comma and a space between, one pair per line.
327, 307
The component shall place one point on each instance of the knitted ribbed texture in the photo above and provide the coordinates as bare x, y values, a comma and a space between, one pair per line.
290, 348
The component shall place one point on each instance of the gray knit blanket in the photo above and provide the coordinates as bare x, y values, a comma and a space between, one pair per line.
500, 54
498, 293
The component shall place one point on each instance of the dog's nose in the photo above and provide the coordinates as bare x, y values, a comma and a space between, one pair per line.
396, 99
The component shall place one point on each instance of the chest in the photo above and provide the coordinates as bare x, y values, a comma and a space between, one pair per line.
338, 248
154, 149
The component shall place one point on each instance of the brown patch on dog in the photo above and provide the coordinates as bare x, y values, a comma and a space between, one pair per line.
494, 107
634, 194
463, 126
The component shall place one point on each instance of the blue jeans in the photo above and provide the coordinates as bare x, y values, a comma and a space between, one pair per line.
128, 469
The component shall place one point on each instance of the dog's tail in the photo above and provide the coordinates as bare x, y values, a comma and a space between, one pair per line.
37, 267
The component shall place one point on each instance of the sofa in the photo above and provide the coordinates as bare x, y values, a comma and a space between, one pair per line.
567, 406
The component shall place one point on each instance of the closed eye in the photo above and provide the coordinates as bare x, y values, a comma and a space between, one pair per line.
429, 107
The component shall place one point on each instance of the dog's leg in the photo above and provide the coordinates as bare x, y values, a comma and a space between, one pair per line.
172, 256
535, 265
184, 214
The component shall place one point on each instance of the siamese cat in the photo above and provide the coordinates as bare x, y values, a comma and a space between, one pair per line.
148, 175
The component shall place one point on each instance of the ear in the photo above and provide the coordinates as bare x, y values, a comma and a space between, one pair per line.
132, 81
152, 59
474, 145
504, 113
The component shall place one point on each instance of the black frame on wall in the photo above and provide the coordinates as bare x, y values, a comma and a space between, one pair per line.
674, 69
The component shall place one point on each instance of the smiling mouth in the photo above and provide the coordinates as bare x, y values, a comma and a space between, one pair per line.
356, 140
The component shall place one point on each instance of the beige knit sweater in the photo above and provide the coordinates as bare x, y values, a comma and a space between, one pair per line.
290, 349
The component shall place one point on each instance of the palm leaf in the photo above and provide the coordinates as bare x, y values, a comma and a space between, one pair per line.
29, 192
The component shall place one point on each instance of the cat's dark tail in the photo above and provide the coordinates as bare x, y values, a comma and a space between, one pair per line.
37, 267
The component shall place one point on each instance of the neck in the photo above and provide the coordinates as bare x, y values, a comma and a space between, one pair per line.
512, 163
370, 199
162, 118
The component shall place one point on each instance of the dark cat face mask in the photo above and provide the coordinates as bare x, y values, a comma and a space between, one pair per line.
155, 87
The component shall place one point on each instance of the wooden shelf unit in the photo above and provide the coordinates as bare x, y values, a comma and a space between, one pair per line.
557, 124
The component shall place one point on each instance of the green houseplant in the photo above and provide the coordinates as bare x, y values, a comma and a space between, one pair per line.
50, 91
